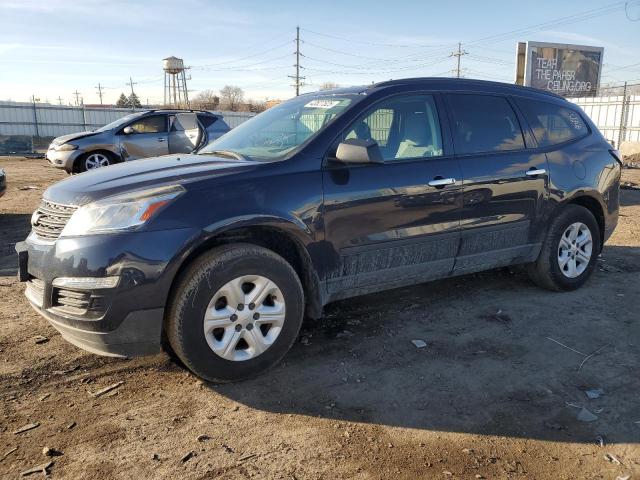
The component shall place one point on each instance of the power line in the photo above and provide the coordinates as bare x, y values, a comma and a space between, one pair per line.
260, 53
375, 44
241, 67
574, 18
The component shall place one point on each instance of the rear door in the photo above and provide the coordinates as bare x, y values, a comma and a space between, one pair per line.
185, 133
149, 138
393, 223
505, 185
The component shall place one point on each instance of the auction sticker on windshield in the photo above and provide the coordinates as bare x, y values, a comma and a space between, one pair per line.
319, 103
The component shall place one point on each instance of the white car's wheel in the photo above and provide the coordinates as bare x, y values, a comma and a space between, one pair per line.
93, 160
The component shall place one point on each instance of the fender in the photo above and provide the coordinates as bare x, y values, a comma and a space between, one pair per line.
294, 228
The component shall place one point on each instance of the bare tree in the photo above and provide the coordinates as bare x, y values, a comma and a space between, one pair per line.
205, 100
328, 85
231, 98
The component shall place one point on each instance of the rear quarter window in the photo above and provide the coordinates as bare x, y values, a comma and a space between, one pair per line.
552, 124
207, 120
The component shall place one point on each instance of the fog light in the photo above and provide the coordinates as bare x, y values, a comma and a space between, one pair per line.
86, 283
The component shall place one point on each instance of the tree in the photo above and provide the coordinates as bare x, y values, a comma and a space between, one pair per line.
328, 85
134, 101
205, 100
123, 101
231, 98
255, 106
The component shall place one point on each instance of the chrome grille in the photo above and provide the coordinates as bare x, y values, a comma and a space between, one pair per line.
78, 302
71, 301
50, 218
35, 291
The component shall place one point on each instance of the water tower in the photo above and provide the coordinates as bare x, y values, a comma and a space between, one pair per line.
175, 83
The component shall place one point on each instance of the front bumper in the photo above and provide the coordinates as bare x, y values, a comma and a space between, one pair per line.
138, 334
63, 159
122, 321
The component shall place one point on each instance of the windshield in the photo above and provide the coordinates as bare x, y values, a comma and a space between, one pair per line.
283, 128
118, 123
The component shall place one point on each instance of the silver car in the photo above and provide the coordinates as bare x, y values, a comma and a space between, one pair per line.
142, 134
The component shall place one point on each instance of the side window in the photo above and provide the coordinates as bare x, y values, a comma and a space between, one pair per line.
207, 120
484, 123
552, 124
403, 127
184, 121
151, 124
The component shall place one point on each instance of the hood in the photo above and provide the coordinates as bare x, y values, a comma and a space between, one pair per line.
73, 136
152, 172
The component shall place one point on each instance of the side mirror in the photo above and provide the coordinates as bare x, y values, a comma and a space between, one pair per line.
355, 150
128, 130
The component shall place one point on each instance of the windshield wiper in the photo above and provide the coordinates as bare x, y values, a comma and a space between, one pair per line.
227, 153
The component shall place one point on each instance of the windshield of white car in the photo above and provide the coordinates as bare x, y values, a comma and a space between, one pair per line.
284, 128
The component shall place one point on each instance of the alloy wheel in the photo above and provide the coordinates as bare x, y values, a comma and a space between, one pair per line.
244, 317
575, 250
96, 160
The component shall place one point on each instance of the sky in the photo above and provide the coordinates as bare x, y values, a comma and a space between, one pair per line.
52, 48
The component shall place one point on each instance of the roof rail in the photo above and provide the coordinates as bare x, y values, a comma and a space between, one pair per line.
470, 81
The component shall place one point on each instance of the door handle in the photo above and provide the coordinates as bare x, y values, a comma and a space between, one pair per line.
535, 171
161, 139
441, 182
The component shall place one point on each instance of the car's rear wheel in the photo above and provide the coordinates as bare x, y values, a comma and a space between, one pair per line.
569, 252
93, 160
235, 312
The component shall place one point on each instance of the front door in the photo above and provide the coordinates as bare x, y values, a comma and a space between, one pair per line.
185, 133
148, 139
393, 223
505, 184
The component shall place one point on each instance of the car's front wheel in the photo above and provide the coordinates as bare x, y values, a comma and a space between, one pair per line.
93, 160
235, 312
569, 252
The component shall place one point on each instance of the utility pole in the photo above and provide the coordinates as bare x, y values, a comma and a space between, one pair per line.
623, 117
298, 79
99, 87
59, 100
77, 95
35, 114
131, 84
458, 54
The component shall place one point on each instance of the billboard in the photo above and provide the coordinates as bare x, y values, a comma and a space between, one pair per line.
568, 70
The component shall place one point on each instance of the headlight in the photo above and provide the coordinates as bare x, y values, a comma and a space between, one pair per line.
65, 147
121, 212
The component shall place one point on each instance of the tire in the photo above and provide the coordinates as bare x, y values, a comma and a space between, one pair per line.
98, 159
546, 271
221, 270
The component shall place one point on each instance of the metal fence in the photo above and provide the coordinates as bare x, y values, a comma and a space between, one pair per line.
618, 118
44, 120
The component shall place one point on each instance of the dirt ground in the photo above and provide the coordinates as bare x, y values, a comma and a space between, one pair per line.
490, 396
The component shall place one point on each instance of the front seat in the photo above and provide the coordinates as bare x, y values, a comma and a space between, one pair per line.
416, 138
362, 131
